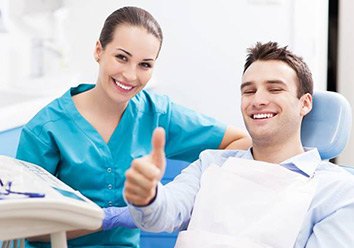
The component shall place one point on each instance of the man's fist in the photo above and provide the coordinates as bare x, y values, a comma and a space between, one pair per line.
144, 173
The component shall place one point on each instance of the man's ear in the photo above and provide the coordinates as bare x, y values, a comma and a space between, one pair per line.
306, 102
98, 51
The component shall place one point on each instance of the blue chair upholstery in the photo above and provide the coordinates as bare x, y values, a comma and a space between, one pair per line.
328, 125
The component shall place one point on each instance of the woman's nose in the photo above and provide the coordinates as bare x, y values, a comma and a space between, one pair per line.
129, 73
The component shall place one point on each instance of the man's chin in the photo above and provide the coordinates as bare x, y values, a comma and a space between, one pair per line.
262, 137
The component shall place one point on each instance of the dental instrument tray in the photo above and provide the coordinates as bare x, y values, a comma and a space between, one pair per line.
34, 202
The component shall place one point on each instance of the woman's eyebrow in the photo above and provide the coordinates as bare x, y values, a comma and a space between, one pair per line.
130, 55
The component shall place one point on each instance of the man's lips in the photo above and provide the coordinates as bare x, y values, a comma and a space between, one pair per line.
260, 116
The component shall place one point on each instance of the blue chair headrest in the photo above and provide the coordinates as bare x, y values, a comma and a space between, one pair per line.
328, 125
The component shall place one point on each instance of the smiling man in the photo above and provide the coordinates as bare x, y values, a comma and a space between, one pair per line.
274, 101
276, 194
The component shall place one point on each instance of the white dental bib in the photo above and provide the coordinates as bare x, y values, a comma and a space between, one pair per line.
248, 204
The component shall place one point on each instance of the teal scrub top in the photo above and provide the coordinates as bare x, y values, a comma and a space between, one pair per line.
60, 140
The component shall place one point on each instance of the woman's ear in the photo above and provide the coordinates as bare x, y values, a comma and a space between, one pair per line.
98, 51
306, 102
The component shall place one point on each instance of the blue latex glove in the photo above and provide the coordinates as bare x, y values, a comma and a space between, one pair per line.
117, 217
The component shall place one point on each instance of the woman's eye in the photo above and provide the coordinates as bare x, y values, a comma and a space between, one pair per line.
146, 65
122, 57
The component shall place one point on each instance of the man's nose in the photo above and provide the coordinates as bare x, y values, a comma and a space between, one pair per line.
260, 98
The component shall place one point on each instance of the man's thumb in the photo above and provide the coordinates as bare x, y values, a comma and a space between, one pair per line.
158, 148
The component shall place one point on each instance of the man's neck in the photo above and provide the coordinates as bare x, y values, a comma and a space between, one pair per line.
276, 153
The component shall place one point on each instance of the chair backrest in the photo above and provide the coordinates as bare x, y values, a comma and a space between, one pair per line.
328, 125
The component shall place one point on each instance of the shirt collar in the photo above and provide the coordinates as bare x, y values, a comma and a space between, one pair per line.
247, 154
305, 162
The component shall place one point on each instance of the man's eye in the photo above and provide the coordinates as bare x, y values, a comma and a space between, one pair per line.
248, 92
276, 90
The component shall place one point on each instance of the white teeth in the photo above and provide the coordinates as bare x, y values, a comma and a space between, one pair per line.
124, 87
262, 116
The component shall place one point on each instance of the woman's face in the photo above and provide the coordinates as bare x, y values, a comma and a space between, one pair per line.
126, 63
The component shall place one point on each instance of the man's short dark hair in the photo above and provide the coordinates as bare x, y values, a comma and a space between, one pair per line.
271, 51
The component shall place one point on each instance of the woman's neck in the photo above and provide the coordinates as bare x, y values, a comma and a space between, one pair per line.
100, 111
98, 101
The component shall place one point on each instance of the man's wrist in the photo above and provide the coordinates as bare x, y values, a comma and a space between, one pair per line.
150, 202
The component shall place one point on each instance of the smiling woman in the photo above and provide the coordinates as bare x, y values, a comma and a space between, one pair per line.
89, 136
125, 67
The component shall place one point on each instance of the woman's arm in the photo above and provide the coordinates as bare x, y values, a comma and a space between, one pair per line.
69, 235
235, 138
113, 217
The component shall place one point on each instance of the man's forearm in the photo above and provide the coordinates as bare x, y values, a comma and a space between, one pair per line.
172, 206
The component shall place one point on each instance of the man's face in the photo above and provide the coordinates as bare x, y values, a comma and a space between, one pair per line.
269, 104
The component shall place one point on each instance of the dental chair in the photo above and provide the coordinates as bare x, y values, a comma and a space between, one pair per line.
326, 127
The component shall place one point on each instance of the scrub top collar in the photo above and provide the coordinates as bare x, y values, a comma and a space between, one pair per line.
85, 126
305, 163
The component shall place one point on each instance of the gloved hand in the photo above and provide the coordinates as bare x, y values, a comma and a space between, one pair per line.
117, 217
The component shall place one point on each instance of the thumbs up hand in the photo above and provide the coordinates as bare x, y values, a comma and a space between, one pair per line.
144, 173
